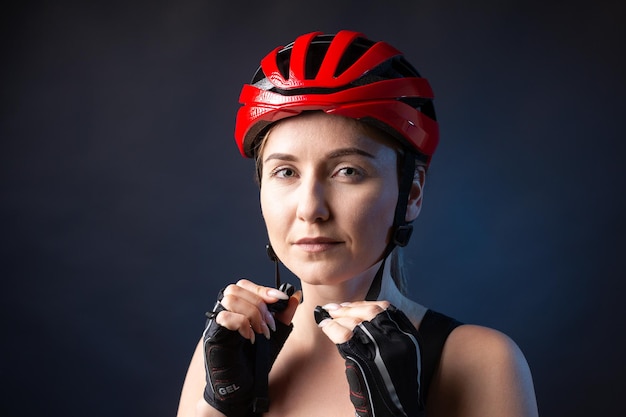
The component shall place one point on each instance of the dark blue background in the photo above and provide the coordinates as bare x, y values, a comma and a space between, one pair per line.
125, 204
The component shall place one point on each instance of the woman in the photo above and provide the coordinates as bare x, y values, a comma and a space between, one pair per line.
342, 130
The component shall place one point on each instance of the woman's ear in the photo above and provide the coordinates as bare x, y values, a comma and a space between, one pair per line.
414, 205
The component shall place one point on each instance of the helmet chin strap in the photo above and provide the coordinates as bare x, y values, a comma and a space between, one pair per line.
402, 230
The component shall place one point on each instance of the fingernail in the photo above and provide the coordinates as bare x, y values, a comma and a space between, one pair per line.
266, 331
347, 304
252, 337
269, 319
272, 292
323, 323
331, 307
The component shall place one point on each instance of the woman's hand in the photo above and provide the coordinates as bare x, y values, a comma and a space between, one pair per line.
382, 351
231, 357
245, 309
343, 318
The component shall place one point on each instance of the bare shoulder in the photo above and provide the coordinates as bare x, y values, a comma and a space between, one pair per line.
470, 348
482, 373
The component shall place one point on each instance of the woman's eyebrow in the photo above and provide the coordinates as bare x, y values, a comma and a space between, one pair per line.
338, 153
280, 157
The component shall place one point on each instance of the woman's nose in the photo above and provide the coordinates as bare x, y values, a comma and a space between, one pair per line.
312, 202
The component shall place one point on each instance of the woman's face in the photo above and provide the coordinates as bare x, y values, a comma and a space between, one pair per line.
328, 195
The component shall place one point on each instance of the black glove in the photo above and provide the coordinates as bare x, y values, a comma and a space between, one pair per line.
232, 362
383, 366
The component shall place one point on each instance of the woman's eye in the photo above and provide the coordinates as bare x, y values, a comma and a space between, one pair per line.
348, 172
283, 173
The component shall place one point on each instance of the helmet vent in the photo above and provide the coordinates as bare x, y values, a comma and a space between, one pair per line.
283, 63
352, 54
315, 57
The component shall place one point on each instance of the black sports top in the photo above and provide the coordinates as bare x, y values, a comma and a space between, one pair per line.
434, 329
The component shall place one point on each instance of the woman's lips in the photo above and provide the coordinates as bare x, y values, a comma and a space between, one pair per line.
316, 245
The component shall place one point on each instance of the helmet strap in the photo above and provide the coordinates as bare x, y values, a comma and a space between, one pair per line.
402, 229
274, 258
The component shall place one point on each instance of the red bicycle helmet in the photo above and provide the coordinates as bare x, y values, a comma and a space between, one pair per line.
344, 74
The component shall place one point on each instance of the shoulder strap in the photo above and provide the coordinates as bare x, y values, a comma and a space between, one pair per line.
434, 329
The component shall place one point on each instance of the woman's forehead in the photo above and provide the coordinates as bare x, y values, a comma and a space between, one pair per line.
320, 132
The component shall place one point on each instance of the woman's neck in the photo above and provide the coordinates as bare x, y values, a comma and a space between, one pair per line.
353, 289
350, 291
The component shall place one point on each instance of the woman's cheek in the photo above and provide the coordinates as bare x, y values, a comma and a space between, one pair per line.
276, 212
